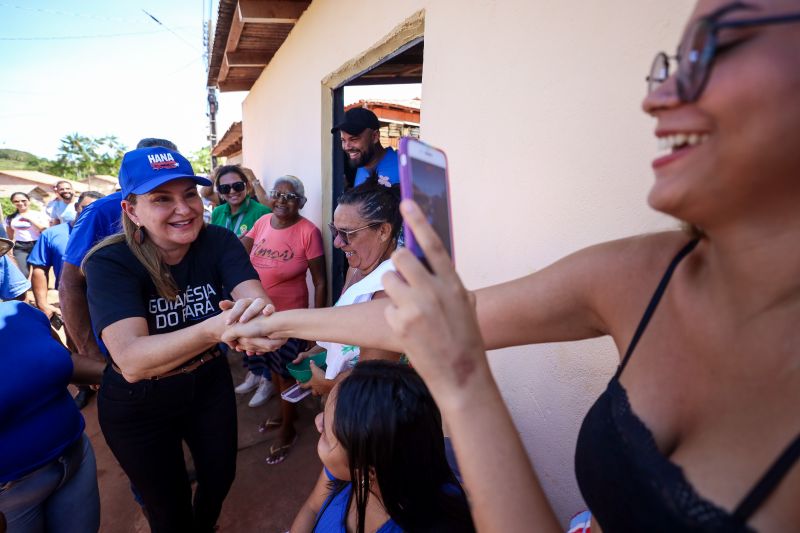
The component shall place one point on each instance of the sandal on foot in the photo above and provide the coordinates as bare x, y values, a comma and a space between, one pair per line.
278, 452
269, 424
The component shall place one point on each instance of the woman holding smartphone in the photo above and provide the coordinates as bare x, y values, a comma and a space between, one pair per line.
154, 295
698, 430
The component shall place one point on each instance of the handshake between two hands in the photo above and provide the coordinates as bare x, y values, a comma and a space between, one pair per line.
430, 314
245, 326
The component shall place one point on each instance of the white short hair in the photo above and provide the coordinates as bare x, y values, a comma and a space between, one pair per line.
294, 181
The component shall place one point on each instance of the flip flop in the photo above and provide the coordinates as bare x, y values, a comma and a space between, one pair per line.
278, 453
269, 424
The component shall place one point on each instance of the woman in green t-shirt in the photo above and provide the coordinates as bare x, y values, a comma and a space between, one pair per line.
240, 211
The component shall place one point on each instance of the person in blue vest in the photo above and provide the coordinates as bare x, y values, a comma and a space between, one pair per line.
361, 143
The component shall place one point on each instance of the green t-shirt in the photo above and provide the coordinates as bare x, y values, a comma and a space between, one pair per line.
241, 222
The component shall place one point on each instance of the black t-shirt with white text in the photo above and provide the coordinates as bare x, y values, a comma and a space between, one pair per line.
119, 287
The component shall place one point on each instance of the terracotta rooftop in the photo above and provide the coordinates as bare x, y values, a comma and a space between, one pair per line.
36, 177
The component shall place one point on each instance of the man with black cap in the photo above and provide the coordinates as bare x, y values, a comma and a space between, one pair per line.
362, 146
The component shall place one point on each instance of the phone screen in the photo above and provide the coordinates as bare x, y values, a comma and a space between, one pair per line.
295, 394
427, 177
430, 192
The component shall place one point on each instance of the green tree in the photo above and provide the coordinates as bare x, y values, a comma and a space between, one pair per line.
7, 207
201, 160
80, 156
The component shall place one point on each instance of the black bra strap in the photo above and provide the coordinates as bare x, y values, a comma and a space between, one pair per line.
651, 307
768, 482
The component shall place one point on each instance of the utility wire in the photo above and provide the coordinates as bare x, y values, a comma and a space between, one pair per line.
75, 37
193, 47
70, 14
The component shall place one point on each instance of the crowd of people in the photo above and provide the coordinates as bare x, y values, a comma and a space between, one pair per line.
694, 432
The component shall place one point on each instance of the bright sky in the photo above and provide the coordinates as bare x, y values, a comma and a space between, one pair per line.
98, 68
105, 68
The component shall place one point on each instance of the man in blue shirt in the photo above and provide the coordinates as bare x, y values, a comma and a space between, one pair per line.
48, 252
361, 143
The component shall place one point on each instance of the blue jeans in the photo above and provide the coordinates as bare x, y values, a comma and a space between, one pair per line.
60, 497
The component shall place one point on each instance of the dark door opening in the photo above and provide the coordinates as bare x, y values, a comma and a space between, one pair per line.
391, 89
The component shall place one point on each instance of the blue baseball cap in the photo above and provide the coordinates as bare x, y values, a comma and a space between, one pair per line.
145, 169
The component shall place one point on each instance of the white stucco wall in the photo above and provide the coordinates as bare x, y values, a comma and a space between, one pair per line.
537, 104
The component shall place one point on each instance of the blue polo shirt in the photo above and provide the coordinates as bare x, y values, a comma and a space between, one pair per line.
50, 247
12, 282
387, 166
96, 222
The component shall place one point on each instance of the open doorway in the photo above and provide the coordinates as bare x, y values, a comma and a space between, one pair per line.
392, 89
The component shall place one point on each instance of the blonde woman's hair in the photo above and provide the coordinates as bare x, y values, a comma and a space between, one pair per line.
147, 253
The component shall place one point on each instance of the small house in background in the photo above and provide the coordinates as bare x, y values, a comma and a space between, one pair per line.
398, 118
101, 183
38, 195
38, 185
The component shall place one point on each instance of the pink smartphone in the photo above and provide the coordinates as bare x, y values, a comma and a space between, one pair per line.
423, 178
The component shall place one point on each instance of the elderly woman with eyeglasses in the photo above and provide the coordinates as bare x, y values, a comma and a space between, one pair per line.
699, 428
365, 227
283, 247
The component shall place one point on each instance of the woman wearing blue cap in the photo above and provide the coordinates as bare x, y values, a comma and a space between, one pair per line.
154, 297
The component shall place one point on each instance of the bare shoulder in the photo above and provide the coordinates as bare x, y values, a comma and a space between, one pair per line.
636, 253
623, 274
595, 291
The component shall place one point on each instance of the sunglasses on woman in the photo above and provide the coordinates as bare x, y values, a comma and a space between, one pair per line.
239, 186
695, 56
345, 234
285, 196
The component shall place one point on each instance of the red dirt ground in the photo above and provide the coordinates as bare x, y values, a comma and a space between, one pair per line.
263, 497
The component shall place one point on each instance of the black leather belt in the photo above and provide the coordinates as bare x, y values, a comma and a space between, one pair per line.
189, 366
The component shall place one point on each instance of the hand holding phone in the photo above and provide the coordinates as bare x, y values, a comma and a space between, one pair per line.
423, 178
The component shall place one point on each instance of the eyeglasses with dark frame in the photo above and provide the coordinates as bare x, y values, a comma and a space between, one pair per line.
696, 59
225, 188
285, 196
345, 234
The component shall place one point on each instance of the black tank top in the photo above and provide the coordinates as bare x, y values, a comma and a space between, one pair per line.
629, 485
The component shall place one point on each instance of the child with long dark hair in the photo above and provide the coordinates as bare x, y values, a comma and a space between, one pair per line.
382, 446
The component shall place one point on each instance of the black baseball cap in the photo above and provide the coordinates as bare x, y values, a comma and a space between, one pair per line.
357, 120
